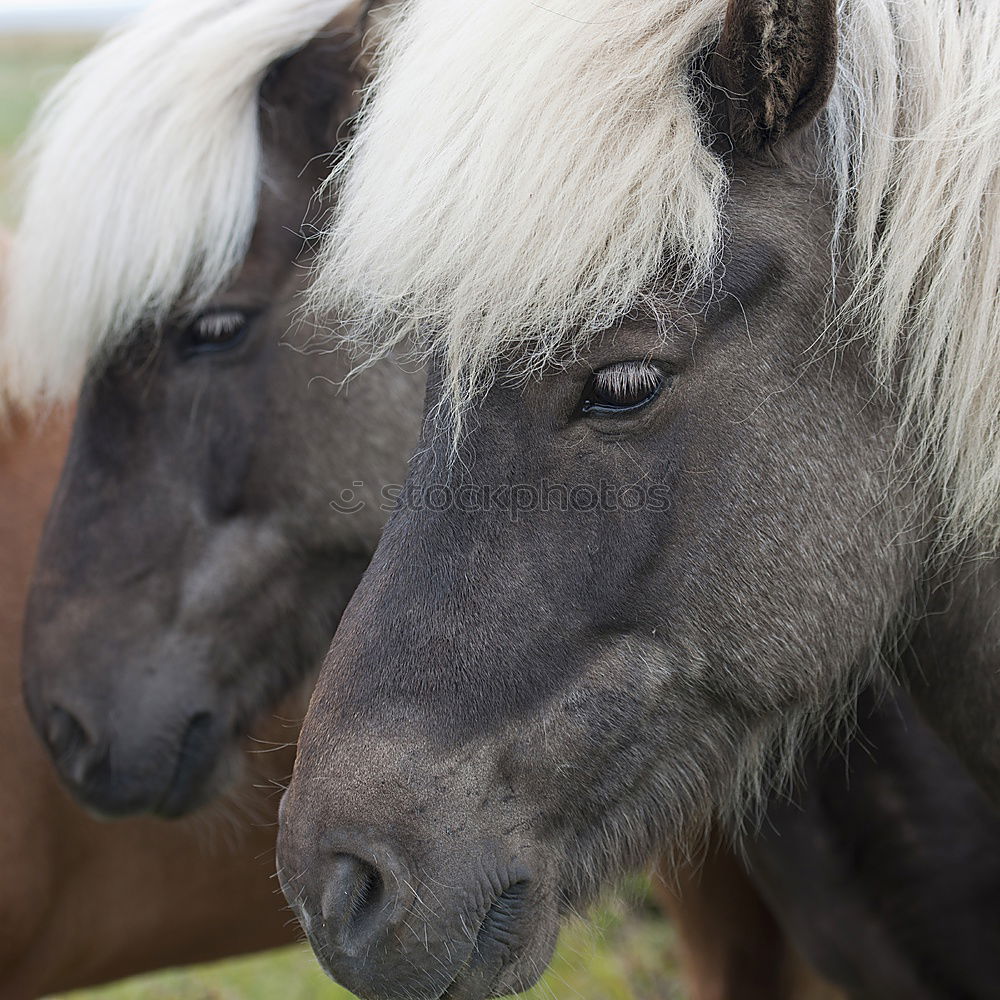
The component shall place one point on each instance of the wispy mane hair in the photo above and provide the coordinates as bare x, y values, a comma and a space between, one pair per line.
143, 169
913, 141
521, 172
525, 173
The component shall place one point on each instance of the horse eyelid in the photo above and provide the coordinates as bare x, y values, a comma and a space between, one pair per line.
628, 378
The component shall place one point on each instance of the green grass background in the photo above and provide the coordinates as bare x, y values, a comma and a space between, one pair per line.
624, 952
28, 67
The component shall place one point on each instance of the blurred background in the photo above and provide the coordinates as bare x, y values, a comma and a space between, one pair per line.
625, 952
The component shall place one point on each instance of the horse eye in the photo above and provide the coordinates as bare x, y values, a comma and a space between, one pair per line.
215, 330
621, 388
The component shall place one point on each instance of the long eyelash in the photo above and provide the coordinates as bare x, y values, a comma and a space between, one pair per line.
217, 325
628, 379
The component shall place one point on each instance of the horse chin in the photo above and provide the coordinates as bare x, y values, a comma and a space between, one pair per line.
513, 946
221, 764
179, 803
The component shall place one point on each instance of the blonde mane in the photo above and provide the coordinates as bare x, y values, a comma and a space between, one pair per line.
913, 140
524, 173
520, 173
143, 170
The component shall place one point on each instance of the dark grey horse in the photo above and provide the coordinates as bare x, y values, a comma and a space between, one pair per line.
718, 538
195, 564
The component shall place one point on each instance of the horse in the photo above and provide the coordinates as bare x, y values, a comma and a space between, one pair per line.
184, 507
46, 946
181, 478
847, 838
84, 901
708, 296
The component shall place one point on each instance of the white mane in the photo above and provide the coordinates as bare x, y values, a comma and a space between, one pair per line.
913, 132
525, 171
143, 170
521, 172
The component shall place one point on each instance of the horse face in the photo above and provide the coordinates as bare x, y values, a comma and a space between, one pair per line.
197, 556
193, 569
583, 634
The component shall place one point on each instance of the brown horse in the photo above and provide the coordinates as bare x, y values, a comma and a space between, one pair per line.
731, 944
85, 901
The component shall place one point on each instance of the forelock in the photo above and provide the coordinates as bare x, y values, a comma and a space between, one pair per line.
143, 170
521, 175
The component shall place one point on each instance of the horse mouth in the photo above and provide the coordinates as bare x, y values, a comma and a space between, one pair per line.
497, 942
191, 783
213, 751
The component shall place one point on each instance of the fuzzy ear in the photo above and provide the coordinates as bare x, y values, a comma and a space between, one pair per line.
774, 67
317, 89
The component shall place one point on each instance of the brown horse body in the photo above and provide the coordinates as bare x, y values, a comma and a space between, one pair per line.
730, 944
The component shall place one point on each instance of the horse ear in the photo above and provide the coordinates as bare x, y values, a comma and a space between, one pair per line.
318, 87
774, 67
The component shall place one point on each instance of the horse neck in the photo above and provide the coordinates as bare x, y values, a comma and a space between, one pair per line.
31, 455
952, 666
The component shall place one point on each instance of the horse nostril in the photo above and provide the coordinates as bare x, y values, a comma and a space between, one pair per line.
76, 752
64, 734
353, 900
